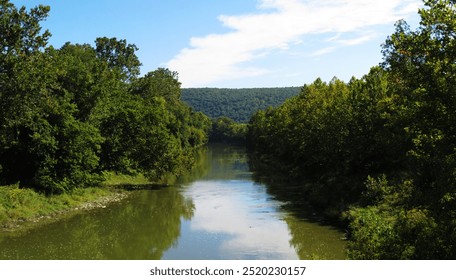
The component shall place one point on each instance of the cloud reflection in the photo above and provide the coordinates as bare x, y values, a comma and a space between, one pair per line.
246, 215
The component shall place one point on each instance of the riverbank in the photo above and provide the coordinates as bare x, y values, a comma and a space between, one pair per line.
21, 207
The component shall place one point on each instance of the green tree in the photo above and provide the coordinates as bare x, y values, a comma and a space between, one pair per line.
383, 145
421, 66
120, 56
225, 129
43, 144
165, 130
70, 113
21, 31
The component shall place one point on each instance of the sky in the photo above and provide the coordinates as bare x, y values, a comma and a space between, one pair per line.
238, 43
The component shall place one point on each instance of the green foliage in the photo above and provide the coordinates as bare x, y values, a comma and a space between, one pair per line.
390, 226
423, 63
19, 205
225, 129
21, 30
395, 127
236, 104
119, 179
120, 56
69, 114
332, 135
42, 143
373, 231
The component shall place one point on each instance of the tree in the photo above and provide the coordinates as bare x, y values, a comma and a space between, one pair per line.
420, 209
21, 31
70, 113
159, 83
120, 56
166, 131
225, 129
42, 143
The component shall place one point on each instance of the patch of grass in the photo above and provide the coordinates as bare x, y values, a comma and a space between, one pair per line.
22, 204
19, 203
116, 179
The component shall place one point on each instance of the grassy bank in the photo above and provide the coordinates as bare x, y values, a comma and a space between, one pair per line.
115, 179
21, 205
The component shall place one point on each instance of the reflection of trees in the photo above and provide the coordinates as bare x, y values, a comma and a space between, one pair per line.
143, 227
227, 162
281, 188
216, 162
200, 169
310, 238
148, 223
314, 241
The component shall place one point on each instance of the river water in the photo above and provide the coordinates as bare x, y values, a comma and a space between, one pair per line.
218, 211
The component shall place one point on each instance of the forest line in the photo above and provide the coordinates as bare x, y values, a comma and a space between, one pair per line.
237, 104
73, 117
69, 114
378, 152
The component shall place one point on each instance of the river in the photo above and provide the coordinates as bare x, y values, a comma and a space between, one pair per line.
218, 211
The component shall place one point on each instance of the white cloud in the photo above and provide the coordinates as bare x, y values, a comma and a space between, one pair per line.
277, 25
322, 51
356, 41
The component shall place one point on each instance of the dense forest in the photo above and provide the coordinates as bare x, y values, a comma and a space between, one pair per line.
236, 104
68, 114
380, 150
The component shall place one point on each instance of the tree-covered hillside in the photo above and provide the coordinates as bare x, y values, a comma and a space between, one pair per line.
237, 104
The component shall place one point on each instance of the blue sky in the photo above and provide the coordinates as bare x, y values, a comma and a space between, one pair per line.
238, 43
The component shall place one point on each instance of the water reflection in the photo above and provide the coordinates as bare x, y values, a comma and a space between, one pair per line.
141, 227
220, 211
238, 218
311, 237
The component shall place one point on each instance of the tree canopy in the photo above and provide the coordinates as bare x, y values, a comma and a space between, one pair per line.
380, 149
69, 114
236, 104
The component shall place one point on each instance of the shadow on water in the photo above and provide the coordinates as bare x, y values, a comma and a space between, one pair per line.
306, 227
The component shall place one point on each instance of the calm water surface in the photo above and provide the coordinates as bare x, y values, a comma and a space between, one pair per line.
218, 211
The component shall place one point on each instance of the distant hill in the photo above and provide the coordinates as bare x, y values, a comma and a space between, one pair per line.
237, 104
